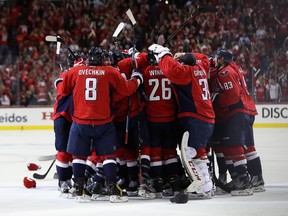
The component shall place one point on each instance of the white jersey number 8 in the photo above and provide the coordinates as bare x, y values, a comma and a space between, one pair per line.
90, 91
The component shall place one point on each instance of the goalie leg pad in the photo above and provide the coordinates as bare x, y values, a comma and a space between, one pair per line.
197, 169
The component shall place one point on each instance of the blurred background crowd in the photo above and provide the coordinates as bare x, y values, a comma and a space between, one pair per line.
256, 31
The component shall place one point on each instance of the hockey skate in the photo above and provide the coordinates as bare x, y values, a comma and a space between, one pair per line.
241, 186
172, 187
146, 190
98, 192
222, 179
123, 183
116, 194
64, 188
257, 183
132, 189
158, 186
77, 191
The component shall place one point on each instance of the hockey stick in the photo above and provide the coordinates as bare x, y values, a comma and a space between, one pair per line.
194, 13
39, 176
134, 65
58, 40
215, 179
47, 157
117, 32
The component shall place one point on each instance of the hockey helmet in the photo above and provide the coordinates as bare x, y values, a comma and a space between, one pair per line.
96, 56
151, 58
70, 60
188, 59
78, 56
226, 54
116, 56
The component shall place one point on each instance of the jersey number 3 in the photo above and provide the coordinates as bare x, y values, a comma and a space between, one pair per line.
205, 89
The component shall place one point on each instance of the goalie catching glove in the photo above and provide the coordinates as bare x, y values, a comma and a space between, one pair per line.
159, 51
137, 74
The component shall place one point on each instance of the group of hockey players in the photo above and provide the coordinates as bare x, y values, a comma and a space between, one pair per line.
119, 120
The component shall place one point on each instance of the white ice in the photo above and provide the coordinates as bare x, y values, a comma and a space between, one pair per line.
18, 148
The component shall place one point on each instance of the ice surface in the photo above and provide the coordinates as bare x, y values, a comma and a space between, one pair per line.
18, 148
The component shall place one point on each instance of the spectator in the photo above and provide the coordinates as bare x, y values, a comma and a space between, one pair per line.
254, 24
260, 89
274, 90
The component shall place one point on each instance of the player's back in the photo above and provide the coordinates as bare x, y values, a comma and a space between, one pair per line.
92, 90
162, 105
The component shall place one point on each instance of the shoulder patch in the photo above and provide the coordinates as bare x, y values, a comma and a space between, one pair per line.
223, 73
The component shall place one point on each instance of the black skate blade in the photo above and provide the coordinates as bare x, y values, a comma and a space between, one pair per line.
180, 198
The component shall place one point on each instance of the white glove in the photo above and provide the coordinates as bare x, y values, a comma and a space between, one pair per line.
159, 51
137, 74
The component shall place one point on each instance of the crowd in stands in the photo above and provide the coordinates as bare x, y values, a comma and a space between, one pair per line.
256, 31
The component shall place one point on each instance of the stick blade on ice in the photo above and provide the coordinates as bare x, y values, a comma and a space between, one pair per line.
118, 29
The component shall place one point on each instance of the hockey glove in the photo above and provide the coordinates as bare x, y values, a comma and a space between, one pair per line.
137, 74
159, 51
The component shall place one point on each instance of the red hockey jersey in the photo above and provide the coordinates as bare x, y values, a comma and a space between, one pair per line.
162, 105
233, 96
191, 87
92, 88
62, 105
121, 102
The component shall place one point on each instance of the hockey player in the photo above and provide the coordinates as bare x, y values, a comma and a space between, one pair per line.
130, 120
92, 127
161, 112
62, 123
195, 114
236, 110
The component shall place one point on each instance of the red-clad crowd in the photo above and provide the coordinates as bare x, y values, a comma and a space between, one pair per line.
255, 31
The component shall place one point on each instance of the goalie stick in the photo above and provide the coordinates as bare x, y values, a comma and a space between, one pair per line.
43, 176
